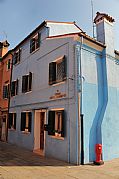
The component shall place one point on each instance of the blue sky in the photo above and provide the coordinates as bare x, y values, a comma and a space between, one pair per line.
19, 17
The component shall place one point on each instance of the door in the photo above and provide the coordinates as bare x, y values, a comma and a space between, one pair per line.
39, 134
42, 119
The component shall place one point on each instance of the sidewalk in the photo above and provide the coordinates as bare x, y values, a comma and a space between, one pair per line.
18, 163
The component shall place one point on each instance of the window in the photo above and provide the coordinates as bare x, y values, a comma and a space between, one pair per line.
27, 83
12, 121
14, 88
6, 91
56, 123
57, 71
26, 121
35, 42
8, 64
17, 56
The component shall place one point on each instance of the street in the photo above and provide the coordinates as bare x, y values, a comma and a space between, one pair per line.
19, 163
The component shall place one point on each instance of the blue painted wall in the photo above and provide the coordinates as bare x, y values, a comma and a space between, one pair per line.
100, 103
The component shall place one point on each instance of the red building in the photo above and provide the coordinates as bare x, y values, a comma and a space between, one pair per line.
5, 73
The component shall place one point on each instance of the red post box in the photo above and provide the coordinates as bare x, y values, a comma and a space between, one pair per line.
98, 152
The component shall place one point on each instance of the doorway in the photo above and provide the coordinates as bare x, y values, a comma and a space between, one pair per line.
39, 134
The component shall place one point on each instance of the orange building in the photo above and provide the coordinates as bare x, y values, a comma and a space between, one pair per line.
5, 74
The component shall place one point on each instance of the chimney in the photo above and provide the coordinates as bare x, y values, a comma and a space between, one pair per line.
105, 31
3, 48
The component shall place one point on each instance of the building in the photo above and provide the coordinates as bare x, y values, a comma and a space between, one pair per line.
5, 73
64, 93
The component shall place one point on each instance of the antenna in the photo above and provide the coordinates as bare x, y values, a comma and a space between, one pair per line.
92, 17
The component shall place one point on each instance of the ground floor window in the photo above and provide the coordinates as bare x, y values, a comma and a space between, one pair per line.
26, 121
12, 121
56, 123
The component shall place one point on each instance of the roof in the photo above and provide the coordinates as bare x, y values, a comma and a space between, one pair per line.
9, 52
44, 24
80, 34
100, 16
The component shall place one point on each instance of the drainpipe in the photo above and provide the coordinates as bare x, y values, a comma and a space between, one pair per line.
81, 115
9, 95
79, 104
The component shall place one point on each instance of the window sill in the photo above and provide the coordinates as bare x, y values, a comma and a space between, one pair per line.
25, 132
26, 92
16, 63
12, 129
58, 83
35, 50
57, 137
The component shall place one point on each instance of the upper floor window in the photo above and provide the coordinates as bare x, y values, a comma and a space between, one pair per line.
26, 121
27, 83
8, 64
6, 91
17, 56
35, 42
12, 121
14, 88
56, 123
57, 71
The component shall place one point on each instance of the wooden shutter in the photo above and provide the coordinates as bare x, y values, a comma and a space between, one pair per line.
10, 121
14, 59
14, 120
63, 133
38, 40
32, 45
51, 122
23, 121
30, 121
24, 83
13, 88
64, 65
17, 86
52, 73
30, 81
19, 55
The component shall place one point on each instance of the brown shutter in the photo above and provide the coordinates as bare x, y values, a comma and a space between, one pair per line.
30, 121
52, 73
24, 83
10, 121
13, 88
14, 120
38, 41
17, 86
30, 81
63, 132
23, 121
64, 71
51, 123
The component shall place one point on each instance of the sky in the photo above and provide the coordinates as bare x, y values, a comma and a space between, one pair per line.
20, 17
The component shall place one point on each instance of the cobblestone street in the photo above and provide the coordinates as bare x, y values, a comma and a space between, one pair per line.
18, 163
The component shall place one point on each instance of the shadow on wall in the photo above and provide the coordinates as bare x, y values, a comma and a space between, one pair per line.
95, 132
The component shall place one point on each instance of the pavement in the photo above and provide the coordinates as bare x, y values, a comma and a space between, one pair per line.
19, 163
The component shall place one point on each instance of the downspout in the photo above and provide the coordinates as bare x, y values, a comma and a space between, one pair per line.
9, 95
79, 105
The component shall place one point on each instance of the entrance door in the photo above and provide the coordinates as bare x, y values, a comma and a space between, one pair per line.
39, 134
42, 119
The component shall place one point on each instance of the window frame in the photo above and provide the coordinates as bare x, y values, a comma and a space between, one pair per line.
16, 86
27, 82
8, 65
17, 57
35, 42
54, 129
53, 70
6, 89
26, 122
12, 116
